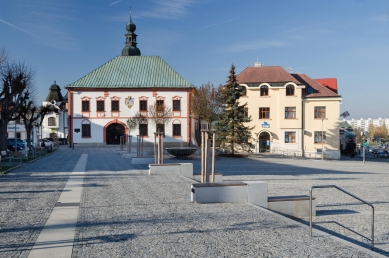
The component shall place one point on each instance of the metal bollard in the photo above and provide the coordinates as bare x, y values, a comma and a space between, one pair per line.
74, 144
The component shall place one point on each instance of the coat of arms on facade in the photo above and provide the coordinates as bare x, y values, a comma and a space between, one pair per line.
129, 101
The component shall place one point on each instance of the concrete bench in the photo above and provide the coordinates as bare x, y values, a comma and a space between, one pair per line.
296, 206
254, 192
182, 169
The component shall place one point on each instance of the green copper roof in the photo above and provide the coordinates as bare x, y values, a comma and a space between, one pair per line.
132, 72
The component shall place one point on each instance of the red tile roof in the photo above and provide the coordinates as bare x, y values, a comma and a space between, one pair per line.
330, 83
265, 74
318, 89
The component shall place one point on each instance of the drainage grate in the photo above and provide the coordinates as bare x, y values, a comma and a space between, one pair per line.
67, 204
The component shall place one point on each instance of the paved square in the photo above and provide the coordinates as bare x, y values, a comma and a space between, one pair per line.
126, 213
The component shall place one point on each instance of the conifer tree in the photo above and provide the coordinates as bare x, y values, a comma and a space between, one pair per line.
231, 129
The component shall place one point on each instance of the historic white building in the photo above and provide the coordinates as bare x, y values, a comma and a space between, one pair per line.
100, 103
54, 124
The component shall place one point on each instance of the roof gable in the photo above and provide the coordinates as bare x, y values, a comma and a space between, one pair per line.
133, 72
265, 74
330, 83
318, 89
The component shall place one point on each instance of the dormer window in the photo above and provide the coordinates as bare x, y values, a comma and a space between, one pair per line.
243, 91
264, 91
290, 90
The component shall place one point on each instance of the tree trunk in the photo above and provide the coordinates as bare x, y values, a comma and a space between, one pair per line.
28, 132
3, 136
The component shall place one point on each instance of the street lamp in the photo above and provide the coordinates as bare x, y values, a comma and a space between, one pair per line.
16, 149
322, 139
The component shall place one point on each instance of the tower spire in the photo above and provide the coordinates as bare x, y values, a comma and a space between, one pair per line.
130, 49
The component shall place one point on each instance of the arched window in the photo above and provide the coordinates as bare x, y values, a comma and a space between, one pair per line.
243, 91
51, 121
264, 91
289, 90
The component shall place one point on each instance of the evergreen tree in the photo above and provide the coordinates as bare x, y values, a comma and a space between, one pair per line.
231, 130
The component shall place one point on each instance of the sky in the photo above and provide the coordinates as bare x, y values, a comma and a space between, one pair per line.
201, 39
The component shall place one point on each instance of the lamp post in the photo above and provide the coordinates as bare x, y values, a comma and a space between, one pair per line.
322, 138
16, 149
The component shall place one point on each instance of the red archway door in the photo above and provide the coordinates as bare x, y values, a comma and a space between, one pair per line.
113, 133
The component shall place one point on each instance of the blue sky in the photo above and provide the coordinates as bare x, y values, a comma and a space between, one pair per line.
348, 39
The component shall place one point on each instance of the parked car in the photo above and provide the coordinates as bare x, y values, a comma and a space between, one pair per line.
11, 144
47, 144
383, 154
18, 140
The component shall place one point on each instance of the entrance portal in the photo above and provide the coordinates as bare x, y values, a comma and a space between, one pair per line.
264, 142
113, 133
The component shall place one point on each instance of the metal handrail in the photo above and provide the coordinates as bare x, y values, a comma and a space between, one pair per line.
344, 191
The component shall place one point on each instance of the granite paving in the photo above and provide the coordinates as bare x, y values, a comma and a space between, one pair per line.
126, 213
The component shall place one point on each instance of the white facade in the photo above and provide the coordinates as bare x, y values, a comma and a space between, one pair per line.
55, 123
20, 131
100, 120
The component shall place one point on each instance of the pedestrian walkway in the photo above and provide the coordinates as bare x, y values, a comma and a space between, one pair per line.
124, 212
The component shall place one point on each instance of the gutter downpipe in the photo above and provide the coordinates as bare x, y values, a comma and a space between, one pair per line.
303, 129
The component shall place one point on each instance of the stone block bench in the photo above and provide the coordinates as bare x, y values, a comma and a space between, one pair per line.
296, 206
180, 169
254, 192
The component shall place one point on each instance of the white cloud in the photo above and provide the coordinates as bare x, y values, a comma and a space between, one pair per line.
116, 2
167, 9
248, 46
15, 27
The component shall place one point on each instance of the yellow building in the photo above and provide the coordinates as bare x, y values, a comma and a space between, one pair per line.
292, 113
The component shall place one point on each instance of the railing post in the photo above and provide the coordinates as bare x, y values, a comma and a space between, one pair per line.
344, 191
310, 212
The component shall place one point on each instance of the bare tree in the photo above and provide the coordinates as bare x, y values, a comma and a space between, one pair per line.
160, 115
3, 55
16, 79
133, 123
206, 103
31, 114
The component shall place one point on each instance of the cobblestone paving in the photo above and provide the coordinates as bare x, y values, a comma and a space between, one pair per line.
337, 212
126, 213
27, 196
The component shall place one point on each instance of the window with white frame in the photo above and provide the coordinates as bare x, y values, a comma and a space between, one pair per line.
51, 121
320, 137
290, 137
